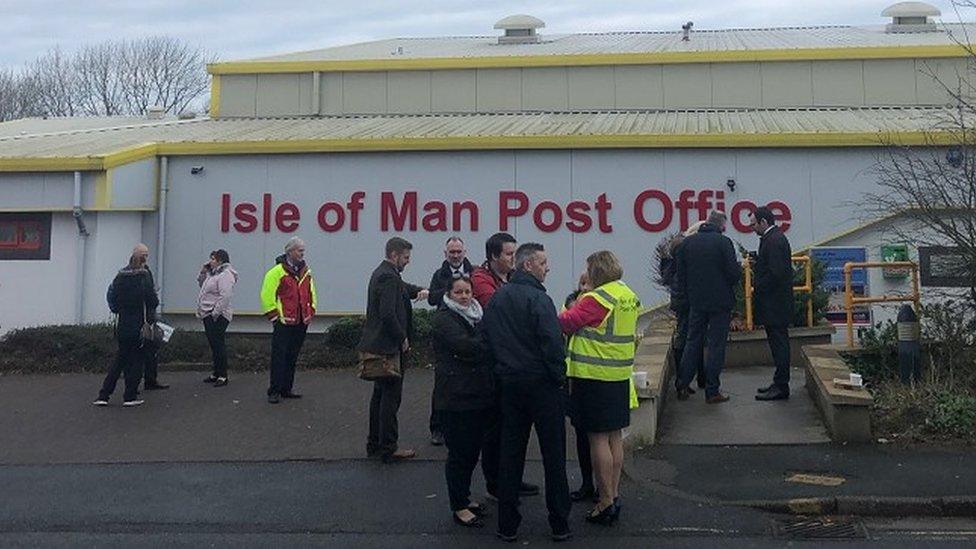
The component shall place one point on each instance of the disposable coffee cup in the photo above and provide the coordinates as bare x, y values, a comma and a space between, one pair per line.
856, 380
640, 380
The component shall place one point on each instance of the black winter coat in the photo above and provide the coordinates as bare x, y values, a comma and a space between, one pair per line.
522, 331
774, 280
440, 282
463, 378
708, 270
389, 316
133, 297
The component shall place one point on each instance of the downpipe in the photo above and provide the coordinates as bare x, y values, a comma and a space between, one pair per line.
161, 228
80, 241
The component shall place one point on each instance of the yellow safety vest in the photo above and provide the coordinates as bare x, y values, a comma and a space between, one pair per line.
606, 352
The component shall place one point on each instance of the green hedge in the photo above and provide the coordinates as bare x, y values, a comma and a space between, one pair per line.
92, 347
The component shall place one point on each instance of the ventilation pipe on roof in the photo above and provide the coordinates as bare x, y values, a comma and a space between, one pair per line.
686, 28
155, 112
519, 29
911, 17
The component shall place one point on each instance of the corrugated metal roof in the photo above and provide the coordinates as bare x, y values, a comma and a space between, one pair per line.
35, 125
727, 40
703, 123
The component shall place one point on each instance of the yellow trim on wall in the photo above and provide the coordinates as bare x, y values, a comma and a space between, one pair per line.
568, 60
543, 142
103, 190
215, 96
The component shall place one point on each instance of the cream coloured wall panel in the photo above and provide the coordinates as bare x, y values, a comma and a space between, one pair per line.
889, 82
687, 86
238, 94
279, 94
638, 87
364, 93
409, 92
499, 89
544, 89
330, 92
453, 91
787, 84
838, 83
306, 102
736, 85
936, 78
590, 87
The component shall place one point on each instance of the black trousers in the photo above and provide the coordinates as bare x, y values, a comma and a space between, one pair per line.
779, 345
464, 433
713, 325
678, 343
524, 404
128, 362
150, 352
437, 421
585, 461
216, 329
384, 429
491, 446
286, 343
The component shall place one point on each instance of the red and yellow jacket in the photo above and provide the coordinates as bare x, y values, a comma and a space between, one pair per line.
288, 296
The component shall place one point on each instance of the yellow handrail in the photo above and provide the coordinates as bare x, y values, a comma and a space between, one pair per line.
850, 300
806, 288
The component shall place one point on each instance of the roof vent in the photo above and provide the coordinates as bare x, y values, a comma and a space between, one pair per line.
155, 112
911, 17
519, 29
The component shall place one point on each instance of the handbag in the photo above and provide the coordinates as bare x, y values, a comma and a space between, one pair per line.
150, 332
373, 367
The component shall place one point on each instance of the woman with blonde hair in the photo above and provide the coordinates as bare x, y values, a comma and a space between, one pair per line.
602, 326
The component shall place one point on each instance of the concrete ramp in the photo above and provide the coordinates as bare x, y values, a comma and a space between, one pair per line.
743, 420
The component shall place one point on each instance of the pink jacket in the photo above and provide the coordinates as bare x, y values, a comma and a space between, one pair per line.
216, 290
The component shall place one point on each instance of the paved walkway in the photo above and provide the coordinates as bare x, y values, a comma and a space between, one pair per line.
50, 419
743, 419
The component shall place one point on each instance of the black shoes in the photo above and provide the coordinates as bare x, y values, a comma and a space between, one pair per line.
507, 538
527, 489
274, 398
155, 386
773, 394
562, 536
583, 494
436, 438
683, 393
210, 379
290, 394
605, 517
220, 382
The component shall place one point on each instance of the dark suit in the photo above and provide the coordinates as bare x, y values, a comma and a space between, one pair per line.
388, 324
774, 299
707, 272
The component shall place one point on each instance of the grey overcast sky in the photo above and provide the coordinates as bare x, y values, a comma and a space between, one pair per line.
239, 29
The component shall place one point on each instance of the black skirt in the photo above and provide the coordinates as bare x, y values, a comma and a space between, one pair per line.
599, 406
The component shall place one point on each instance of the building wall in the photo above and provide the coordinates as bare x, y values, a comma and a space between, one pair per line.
851, 83
819, 186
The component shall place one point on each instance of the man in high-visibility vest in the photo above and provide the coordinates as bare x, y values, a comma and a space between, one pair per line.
603, 326
288, 300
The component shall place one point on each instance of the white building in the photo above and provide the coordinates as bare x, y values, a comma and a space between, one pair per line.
579, 141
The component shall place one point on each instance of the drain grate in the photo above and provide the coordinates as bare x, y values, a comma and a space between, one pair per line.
821, 528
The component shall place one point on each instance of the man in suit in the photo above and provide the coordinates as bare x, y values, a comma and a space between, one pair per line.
387, 332
707, 272
774, 298
455, 265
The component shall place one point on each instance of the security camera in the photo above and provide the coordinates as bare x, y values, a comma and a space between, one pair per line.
730, 183
195, 170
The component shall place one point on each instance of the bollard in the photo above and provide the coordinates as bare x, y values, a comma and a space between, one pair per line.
909, 354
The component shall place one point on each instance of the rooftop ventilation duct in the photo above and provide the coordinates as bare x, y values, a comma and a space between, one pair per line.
911, 17
519, 29
155, 112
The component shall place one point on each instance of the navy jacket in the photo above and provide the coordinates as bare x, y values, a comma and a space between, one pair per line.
133, 297
774, 280
522, 331
708, 270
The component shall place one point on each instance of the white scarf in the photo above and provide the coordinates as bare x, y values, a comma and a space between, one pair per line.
472, 313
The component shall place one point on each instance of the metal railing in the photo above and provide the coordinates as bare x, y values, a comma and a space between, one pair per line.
850, 301
806, 288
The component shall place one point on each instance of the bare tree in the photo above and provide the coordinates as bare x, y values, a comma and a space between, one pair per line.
163, 71
51, 82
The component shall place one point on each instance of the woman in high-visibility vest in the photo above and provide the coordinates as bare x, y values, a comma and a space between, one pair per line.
602, 327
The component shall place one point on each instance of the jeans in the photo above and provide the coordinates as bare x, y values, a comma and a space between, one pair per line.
678, 343
127, 362
713, 325
216, 328
384, 429
464, 433
528, 403
286, 343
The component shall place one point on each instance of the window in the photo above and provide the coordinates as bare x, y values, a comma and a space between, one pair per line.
25, 236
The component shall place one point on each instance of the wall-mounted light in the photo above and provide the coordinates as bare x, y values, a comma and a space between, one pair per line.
196, 170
